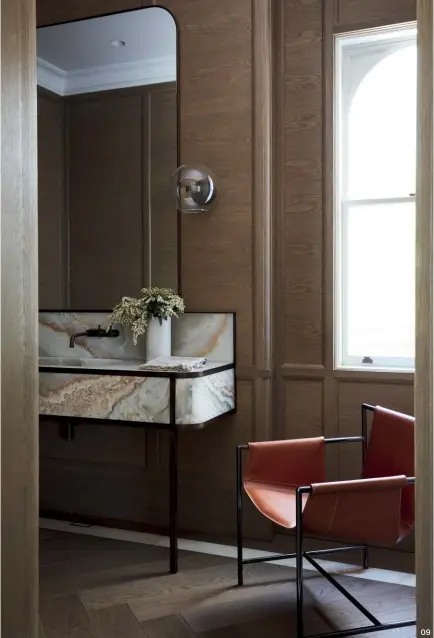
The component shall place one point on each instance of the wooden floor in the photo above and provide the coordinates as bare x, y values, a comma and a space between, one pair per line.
99, 588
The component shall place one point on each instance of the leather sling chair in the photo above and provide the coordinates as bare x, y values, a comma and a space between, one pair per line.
286, 482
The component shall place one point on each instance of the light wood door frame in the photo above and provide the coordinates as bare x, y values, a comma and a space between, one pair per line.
19, 322
18, 314
424, 321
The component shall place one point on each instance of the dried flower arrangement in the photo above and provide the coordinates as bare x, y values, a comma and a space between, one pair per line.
133, 313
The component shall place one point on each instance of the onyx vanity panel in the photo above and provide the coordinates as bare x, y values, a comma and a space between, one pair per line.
101, 378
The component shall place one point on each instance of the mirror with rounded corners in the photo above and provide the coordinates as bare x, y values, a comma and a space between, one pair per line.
107, 151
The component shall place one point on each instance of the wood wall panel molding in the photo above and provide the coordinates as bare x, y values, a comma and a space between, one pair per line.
424, 403
250, 373
262, 20
289, 370
329, 15
303, 408
19, 325
300, 255
379, 377
278, 215
330, 417
354, 14
331, 388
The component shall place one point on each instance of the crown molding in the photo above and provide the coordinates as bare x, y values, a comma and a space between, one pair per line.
103, 78
50, 77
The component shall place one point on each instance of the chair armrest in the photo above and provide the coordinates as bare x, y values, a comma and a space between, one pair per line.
367, 511
380, 484
345, 439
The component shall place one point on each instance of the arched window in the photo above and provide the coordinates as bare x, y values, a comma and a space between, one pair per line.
375, 176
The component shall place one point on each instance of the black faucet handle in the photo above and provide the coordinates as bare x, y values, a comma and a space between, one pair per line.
96, 332
102, 332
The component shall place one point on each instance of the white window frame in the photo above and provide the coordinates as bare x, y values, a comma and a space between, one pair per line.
360, 40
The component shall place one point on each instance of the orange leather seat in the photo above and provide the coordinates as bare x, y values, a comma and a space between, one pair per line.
286, 481
377, 509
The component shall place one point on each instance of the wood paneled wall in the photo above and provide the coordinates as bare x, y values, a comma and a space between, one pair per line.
123, 222
311, 397
226, 261
108, 236
162, 145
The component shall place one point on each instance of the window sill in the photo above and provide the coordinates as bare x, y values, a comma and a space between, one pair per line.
365, 374
369, 367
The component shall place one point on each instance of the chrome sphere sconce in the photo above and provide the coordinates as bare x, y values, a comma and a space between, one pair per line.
195, 189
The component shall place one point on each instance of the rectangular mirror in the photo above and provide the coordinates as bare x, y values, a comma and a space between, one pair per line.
107, 137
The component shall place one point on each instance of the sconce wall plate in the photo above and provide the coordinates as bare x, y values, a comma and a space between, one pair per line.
195, 189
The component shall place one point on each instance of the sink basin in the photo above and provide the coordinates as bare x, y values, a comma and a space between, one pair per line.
60, 361
92, 362
75, 362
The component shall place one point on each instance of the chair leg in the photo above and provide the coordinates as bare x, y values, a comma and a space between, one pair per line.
239, 518
299, 563
365, 557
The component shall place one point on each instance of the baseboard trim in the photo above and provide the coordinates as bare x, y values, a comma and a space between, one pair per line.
229, 551
107, 523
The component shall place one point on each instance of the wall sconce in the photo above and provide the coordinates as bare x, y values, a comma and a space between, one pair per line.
195, 189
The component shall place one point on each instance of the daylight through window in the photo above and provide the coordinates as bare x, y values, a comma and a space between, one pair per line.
374, 195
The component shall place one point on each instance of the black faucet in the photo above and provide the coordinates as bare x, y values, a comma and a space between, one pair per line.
94, 332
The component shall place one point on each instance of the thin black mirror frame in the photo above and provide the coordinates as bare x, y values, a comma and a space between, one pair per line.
178, 108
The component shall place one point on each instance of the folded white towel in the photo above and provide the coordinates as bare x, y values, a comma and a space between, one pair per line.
174, 364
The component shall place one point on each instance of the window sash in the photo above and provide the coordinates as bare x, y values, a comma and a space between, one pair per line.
342, 358
351, 69
363, 41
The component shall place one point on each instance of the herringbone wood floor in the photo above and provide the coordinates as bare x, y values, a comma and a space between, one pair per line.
99, 588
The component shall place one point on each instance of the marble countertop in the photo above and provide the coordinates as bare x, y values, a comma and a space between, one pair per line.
130, 367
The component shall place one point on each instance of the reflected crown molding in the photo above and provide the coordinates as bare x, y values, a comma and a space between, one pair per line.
102, 78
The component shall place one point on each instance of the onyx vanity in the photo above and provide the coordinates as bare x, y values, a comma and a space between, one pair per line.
99, 380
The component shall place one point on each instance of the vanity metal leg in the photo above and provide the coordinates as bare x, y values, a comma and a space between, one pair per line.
66, 430
173, 478
174, 501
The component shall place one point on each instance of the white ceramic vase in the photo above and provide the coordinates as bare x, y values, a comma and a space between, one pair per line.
158, 338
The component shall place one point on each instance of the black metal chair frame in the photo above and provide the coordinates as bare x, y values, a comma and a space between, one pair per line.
299, 554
